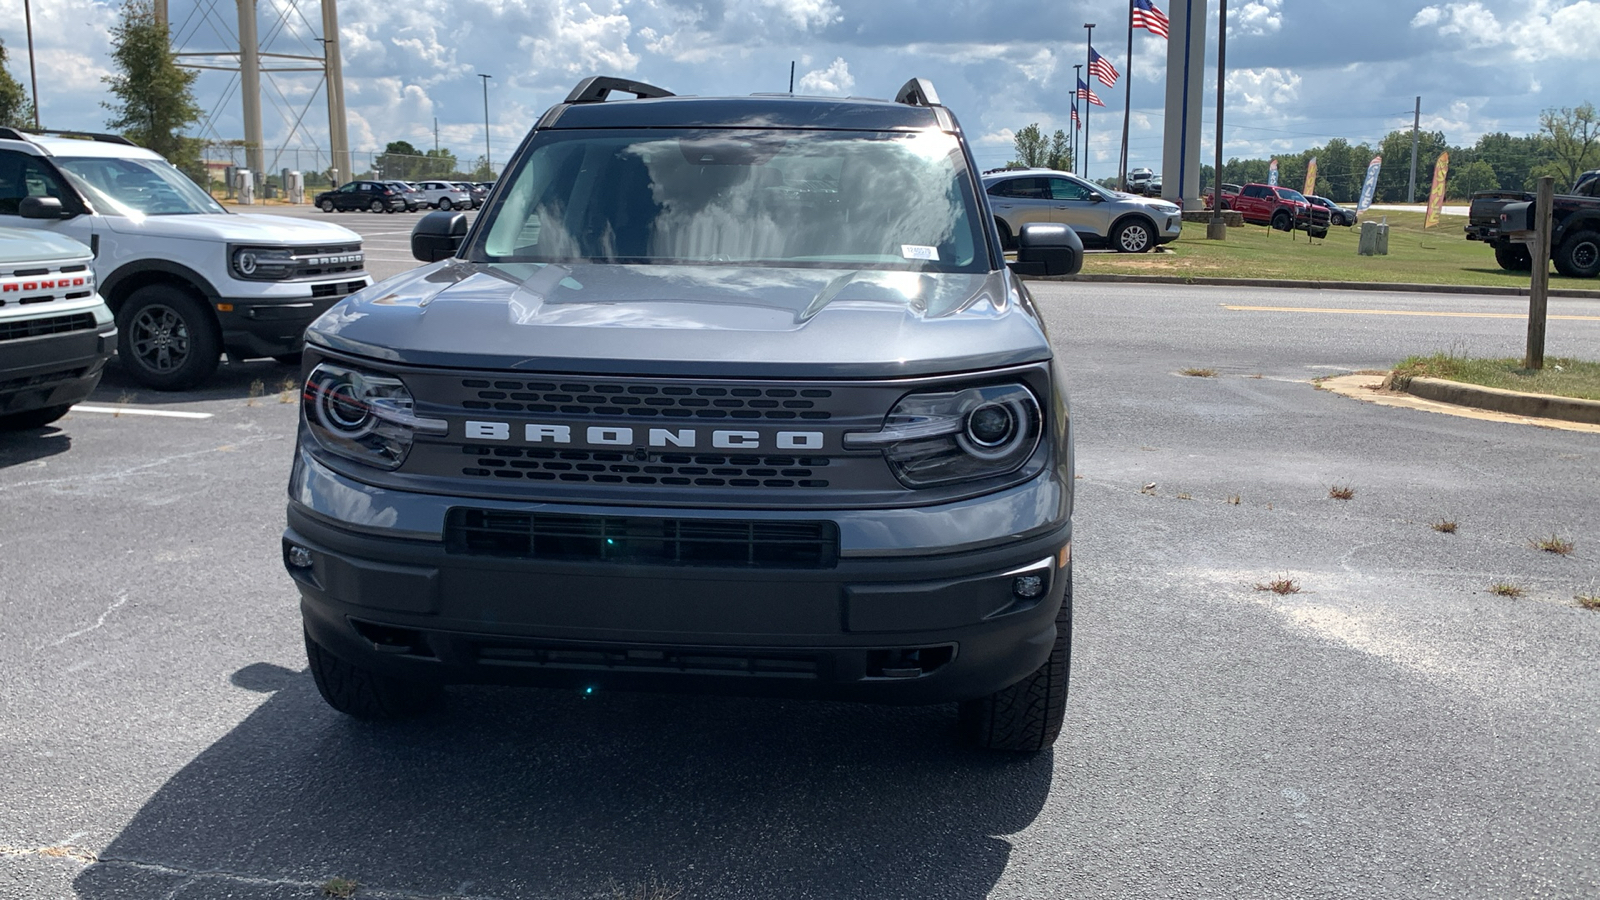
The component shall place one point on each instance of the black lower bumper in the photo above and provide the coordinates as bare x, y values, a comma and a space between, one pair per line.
251, 330
911, 630
53, 370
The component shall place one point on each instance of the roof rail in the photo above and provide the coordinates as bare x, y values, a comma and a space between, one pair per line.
596, 88
11, 134
17, 134
918, 92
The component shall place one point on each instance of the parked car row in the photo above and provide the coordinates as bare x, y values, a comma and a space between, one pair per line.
403, 196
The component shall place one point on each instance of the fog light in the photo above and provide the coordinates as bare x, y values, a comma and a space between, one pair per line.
1028, 587
300, 557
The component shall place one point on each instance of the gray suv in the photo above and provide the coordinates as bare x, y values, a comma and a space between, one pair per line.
717, 394
1101, 217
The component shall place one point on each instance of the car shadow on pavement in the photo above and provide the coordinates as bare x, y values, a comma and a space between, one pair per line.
28, 445
543, 793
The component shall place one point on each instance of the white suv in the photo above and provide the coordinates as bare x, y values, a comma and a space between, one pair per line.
55, 334
445, 195
187, 279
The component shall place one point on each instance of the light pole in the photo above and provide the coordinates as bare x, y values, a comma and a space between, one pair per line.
33, 72
486, 159
1088, 29
1217, 229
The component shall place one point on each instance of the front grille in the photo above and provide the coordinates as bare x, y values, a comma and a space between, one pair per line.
611, 467
765, 663
45, 284
587, 398
337, 288
637, 540
11, 331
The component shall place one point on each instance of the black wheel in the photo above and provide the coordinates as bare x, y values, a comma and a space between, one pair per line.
1579, 256
375, 206
1133, 236
1282, 221
1513, 257
444, 203
327, 206
166, 338
1027, 715
1008, 241
362, 693
33, 418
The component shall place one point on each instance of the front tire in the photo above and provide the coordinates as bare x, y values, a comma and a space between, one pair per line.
1579, 256
1027, 716
1282, 221
167, 339
1514, 257
1133, 237
33, 418
365, 694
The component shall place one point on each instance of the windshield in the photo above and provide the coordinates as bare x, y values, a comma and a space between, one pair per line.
1287, 194
826, 199
147, 187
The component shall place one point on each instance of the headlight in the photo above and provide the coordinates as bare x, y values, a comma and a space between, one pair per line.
263, 263
363, 416
939, 438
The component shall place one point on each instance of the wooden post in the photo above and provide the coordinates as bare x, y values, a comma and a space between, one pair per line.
1539, 287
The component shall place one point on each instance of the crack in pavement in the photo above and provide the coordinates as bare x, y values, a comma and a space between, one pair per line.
122, 600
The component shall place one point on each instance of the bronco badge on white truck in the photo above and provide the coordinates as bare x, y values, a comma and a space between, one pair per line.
186, 279
722, 394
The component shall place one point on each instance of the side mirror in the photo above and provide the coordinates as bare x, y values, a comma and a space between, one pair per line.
1048, 249
40, 208
438, 236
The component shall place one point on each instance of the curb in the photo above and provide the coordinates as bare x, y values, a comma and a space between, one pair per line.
1488, 290
1516, 403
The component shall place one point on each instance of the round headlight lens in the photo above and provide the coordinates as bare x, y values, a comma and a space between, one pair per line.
247, 263
990, 425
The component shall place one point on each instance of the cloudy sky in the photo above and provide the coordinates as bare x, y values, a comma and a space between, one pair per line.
1300, 71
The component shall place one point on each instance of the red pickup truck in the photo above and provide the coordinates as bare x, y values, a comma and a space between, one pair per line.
1279, 207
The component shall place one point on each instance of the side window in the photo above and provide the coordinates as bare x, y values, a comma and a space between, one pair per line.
1254, 190
1062, 189
23, 176
1025, 189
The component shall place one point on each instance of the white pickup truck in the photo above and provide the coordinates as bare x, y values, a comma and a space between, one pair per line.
186, 279
55, 333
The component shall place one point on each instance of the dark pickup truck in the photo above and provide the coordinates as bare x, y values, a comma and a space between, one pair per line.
1574, 242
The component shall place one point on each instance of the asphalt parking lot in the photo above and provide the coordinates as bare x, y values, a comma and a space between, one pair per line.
1392, 729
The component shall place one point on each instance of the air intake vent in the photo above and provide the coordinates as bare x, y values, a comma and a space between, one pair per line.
12, 331
630, 540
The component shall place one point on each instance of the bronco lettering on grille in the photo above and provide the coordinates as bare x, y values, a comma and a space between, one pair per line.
622, 436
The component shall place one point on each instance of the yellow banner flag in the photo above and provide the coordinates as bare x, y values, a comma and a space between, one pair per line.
1311, 177
1436, 195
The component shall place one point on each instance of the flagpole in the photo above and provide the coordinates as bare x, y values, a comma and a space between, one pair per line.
1088, 28
1127, 104
1077, 126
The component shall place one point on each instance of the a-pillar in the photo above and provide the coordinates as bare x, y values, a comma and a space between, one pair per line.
1186, 54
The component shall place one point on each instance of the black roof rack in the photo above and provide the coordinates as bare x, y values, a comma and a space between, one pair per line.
918, 92
596, 88
14, 134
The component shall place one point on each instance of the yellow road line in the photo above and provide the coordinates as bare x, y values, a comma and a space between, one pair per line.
1401, 312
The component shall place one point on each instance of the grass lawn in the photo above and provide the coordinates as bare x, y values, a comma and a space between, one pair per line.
1561, 377
1438, 255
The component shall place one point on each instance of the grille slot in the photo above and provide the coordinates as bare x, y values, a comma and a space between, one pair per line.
645, 400
639, 540
664, 469
765, 664
11, 331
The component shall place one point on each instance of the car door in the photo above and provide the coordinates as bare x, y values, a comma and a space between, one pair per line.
1080, 206
23, 175
347, 196
1021, 201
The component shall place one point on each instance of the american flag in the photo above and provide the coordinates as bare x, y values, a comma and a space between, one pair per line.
1101, 68
1085, 93
1075, 123
1147, 16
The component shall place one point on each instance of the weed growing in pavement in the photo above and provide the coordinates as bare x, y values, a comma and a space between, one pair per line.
1233, 500
1505, 589
1200, 373
1445, 526
1591, 600
1185, 496
287, 390
1556, 544
1279, 586
257, 388
342, 888
1341, 492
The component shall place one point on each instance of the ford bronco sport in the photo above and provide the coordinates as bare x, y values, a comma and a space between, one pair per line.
720, 394
55, 333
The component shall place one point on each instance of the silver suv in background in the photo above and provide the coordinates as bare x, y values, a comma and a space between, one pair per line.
1100, 216
444, 195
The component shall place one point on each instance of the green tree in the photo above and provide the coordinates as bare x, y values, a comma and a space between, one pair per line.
481, 170
1395, 177
1032, 150
1574, 135
400, 160
16, 110
154, 97
440, 163
1471, 178
1058, 157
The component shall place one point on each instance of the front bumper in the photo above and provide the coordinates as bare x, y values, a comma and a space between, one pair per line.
257, 326
926, 627
54, 370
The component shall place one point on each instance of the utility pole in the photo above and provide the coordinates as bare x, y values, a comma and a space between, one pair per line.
1127, 105
435, 134
1077, 125
333, 78
255, 152
1217, 229
488, 161
1088, 28
1416, 122
33, 71
791, 76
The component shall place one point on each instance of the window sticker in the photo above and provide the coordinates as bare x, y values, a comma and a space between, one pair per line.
919, 251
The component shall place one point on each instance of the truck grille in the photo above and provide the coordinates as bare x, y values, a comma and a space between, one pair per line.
637, 540
588, 398
761, 663
12, 331
610, 467
43, 284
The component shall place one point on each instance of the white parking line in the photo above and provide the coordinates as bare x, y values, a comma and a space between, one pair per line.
126, 411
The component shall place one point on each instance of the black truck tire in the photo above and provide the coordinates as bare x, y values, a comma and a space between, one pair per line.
1579, 255
167, 339
365, 694
1282, 221
1513, 257
1027, 716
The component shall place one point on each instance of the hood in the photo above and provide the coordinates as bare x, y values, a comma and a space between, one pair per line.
1140, 199
689, 320
19, 246
237, 229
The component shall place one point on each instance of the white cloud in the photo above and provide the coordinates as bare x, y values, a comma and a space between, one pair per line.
1005, 137
834, 80
578, 40
1262, 92
1426, 16
1257, 17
